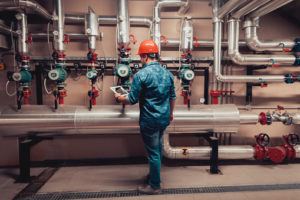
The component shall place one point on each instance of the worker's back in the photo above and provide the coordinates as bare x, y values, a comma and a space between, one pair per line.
156, 86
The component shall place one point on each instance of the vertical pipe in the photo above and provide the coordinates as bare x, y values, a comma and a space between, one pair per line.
22, 27
91, 28
58, 22
123, 22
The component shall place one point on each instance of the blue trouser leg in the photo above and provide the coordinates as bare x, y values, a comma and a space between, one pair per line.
153, 143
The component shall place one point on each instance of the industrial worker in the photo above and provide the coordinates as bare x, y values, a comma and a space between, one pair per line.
153, 88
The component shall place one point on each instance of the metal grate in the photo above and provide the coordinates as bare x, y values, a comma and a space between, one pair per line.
133, 193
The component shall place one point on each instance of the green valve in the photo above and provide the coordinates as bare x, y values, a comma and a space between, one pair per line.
58, 74
92, 74
24, 77
123, 71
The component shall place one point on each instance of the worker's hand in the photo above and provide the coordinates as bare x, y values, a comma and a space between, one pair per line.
171, 117
117, 95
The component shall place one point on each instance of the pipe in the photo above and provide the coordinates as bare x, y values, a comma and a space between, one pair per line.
113, 119
253, 5
91, 28
58, 23
228, 7
187, 35
123, 23
203, 43
16, 4
271, 6
156, 16
74, 36
7, 30
224, 152
23, 29
249, 59
255, 44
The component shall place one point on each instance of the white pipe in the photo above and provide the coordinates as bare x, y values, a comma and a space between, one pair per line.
58, 22
187, 35
250, 59
271, 6
156, 16
204, 152
91, 28
253, 5
255, 44
123, 23
23, 30
16, 4
228, 7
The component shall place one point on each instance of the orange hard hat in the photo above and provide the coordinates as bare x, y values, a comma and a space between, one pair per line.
148, 46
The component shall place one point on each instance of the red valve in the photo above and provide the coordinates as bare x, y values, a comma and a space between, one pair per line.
96, 94
275, 65
29, 38
216, 93
280, 107
196, 41
24, 57
133, 40
27, 94
277, 154
165, 39
62, 94
187, 96
286, 49
263, 120
66, 38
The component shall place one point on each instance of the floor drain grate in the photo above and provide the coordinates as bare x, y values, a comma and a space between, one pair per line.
132, 193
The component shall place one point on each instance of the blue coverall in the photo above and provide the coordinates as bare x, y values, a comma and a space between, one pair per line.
153, 88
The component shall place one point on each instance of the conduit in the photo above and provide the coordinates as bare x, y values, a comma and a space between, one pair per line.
58, 23
23, 4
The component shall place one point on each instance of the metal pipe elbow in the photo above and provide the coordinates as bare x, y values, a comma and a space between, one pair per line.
35, 6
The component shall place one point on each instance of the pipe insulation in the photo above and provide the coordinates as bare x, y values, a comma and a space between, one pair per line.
114, 119
123, 23
156, 16
23, 31
91, 28
58, 24
23, 4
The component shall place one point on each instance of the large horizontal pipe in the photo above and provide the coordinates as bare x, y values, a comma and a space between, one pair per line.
8, 31
249, 8
228, 7
17, 4
199, 43
115, 119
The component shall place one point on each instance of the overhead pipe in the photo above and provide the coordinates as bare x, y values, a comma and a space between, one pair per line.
17, 4
113, 119
228, 7
156, 16
58, 23
249, 7
217, 23
269, 7
250, 59
255, 44
199, 43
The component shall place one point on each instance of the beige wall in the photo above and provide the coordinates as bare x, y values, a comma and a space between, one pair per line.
86, 147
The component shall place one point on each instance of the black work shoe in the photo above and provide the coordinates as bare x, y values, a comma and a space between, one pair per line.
147, 189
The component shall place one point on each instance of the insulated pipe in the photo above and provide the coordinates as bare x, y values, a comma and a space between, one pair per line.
204, 152
115, 119
16, 4
253, 5
123, 23
249, 59
255, 44
228, 7
271, 6
91, 28
187, 35
22, 28
203, 43
156, 16
58, 22
110, 20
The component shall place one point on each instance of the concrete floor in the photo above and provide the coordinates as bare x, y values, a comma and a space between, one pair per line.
128, 177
